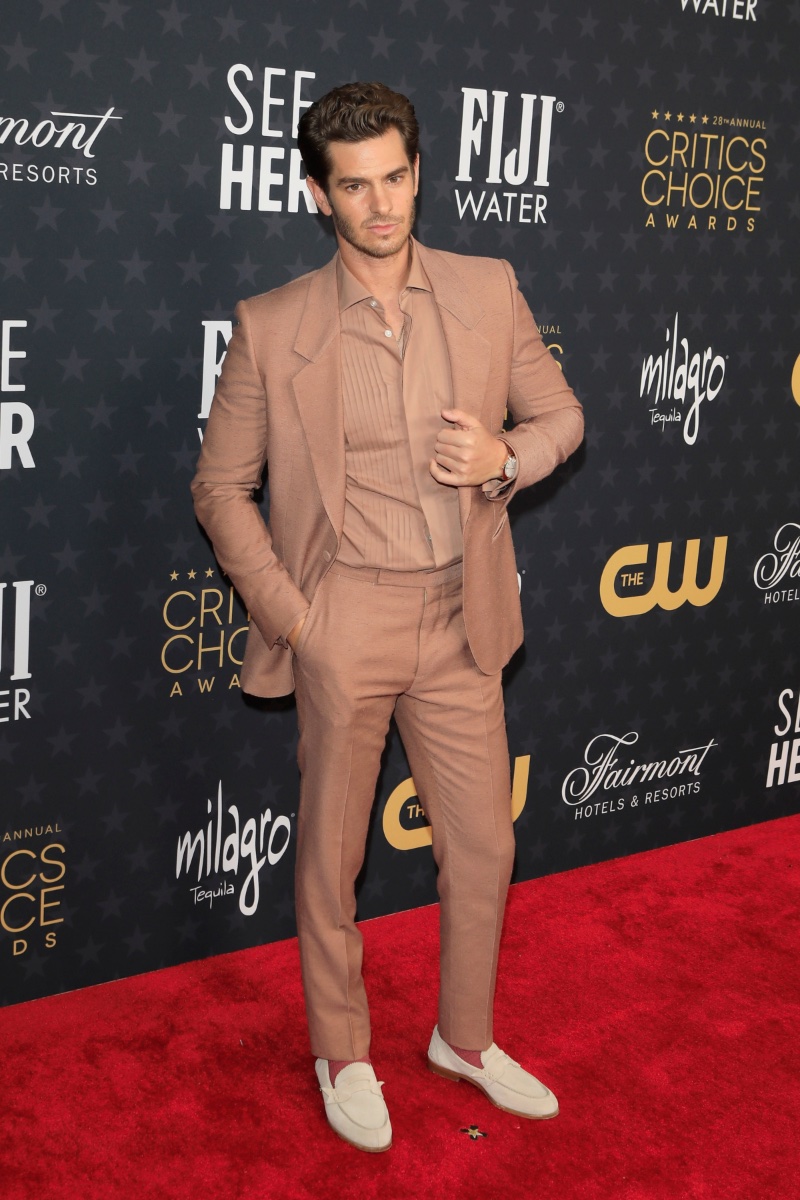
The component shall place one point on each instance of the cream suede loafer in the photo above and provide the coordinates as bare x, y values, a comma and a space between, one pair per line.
502, 1080
355, 1108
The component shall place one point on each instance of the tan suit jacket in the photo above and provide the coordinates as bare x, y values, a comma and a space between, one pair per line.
279, 400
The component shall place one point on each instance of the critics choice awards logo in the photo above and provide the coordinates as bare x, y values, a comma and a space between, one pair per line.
205, 628
648, 588
32, 874
64, 131
226, 855
703, 172
777, 572
553, 339
603, 771
509, 187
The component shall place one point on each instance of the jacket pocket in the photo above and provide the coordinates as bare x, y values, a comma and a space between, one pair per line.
316, 600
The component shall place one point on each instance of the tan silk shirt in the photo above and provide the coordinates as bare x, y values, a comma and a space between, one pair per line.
396, 515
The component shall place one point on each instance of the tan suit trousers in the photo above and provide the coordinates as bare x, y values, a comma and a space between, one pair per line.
377, 643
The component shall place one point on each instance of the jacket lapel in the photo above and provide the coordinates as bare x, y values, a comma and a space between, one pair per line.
470, 353
318, 390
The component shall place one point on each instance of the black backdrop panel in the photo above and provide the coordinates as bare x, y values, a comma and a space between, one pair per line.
637, 166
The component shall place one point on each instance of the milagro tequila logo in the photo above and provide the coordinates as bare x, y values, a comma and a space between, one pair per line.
228, 852
678, 375
781, 565
603, 772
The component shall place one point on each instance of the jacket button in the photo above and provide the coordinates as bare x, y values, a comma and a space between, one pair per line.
326, 555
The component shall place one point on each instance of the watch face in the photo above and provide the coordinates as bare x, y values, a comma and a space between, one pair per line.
510, 467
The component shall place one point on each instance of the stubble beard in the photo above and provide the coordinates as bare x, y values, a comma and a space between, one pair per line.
348, 232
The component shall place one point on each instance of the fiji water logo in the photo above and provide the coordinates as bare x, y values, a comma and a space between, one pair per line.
739, 10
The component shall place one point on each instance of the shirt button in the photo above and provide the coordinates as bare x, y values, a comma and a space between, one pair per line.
387, 333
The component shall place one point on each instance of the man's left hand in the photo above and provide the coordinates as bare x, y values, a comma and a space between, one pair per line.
468, 454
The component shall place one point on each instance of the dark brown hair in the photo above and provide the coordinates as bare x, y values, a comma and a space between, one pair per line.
353, 113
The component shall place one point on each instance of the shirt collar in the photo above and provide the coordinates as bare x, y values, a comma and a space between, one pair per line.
352, 292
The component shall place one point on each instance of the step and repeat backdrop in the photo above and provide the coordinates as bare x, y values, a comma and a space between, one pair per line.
636, 165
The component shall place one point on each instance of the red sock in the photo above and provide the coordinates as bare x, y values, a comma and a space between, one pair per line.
473, 1057
335, 1065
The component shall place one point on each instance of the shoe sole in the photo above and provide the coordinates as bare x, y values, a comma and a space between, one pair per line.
446, 1073
358, 1146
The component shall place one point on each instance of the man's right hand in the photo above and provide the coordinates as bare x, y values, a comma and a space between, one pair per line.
293, 636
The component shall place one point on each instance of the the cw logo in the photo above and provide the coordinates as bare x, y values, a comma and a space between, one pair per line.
659, 594
401, 838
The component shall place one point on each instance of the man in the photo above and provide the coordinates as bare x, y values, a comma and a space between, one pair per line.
376, 389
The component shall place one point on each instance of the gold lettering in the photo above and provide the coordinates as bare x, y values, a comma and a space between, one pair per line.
411, 839
4, 910
167, 603
660, 594
236, 633
212, 610
14, 887
656, 162
60, 867
176, 637
43, 904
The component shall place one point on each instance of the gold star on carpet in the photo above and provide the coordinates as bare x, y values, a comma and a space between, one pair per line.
473, 1132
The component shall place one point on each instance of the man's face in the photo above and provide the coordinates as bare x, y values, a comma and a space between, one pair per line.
371, 190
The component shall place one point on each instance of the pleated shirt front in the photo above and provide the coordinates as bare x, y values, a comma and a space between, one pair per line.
393, 389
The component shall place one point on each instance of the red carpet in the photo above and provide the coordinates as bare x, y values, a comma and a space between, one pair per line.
657, 995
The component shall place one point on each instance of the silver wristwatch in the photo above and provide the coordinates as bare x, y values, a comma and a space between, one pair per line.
510, 468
